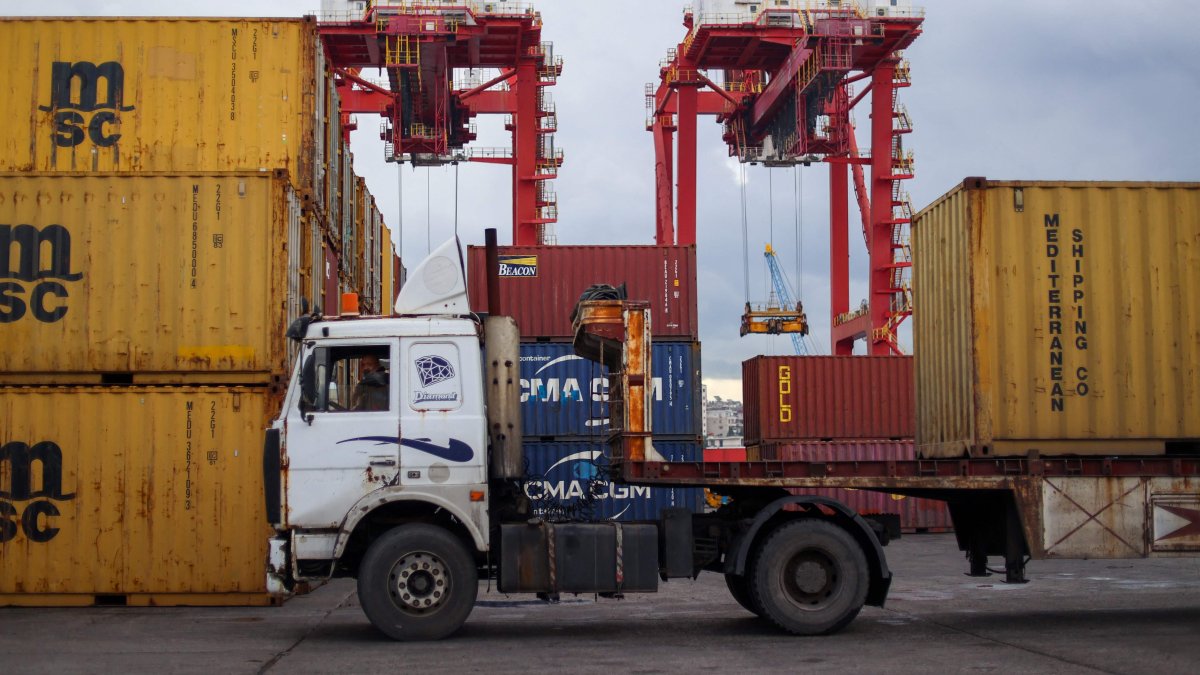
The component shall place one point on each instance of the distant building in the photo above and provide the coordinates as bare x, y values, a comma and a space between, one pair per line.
723, 427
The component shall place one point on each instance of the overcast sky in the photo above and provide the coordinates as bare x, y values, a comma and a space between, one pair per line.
1022, 89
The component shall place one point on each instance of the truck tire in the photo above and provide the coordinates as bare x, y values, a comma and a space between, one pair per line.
810, 577
417, 582
739, 588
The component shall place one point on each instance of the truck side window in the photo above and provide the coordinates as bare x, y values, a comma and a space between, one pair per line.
337, 379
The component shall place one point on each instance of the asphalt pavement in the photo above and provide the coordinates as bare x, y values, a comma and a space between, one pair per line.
1075, 616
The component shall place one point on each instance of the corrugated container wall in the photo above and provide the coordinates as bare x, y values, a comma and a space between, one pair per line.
560, 474
539, 285
147, 492
162, 95
387, 270
1059, 317
566, 395
827, 397
148, 273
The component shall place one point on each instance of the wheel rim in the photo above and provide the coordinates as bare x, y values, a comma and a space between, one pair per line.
810, 579
419, 582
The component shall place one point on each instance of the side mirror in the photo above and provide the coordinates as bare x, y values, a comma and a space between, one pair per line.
308, 381
299, 328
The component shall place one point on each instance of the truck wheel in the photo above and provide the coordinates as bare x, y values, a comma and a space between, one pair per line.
417, 582
810, 577
739, 588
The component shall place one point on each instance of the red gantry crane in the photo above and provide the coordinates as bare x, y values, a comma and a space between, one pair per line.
785, 97
426, 119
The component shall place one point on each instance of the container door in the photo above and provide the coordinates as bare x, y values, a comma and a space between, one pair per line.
343, 434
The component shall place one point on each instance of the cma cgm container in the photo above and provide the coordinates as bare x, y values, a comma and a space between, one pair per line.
1058, 317
119, 273
927, 515
158, 94
150, 495
559, 474
566, 395
827, 397
539, 285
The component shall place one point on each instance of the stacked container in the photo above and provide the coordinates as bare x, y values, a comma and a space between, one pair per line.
1058, 318
564, 397
166, 204
837, 408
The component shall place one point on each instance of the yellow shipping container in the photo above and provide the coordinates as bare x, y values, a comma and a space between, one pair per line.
163, 94
149, 495
1058, 317
387, 271
148, 275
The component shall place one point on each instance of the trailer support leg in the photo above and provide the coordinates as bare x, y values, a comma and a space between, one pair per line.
978, 558
1014, 547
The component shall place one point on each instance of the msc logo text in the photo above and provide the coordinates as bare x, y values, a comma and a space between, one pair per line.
79, 110
41, 294
16, 488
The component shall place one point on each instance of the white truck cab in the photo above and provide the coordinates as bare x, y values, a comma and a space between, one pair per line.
383, 421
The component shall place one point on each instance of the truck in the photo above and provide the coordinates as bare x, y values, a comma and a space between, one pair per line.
420, 498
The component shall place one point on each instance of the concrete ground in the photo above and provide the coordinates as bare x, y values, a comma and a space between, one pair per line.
1138, 616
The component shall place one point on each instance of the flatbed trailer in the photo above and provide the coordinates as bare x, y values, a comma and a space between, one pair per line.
1044, 507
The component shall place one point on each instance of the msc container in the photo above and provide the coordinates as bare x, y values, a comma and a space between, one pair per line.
827, 397
539, 285
149, 495
1058, 317
119, 273
926, 515
163, 95
567, 395
560, 473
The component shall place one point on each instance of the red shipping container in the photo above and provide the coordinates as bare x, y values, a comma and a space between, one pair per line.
539, 285
926, 515
333, 294
724, 454
800, 398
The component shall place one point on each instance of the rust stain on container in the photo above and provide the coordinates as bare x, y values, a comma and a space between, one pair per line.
148, 273
539, 285
161, 94
827, 397
1061, 317
148, 490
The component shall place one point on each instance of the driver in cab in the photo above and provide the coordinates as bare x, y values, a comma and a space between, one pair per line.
371, 392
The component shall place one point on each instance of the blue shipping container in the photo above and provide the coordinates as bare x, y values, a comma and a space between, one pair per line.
560, 475
566, 395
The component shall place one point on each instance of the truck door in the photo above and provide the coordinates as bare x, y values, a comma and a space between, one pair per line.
442, 419
343, 433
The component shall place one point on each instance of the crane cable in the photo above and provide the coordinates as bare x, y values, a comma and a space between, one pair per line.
456, 200
745, 237
428, 230
400, 210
